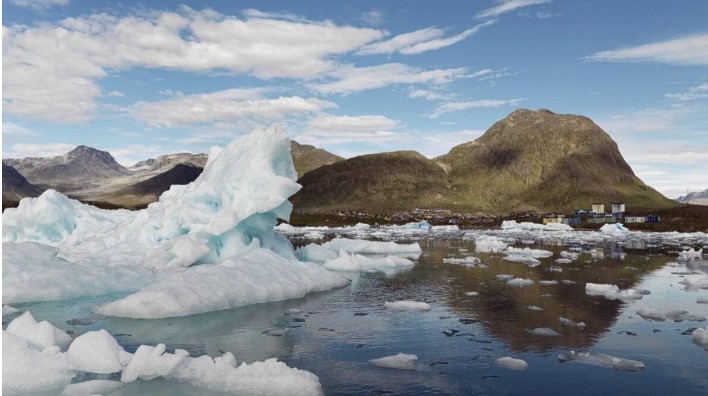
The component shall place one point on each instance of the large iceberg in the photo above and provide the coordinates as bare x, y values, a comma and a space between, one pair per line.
203, 246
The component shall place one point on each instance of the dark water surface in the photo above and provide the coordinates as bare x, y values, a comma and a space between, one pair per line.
339, 331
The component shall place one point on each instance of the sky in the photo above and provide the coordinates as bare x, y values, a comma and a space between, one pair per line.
355, 77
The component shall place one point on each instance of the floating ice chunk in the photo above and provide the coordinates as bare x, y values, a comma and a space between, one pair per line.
504, 277
614, 229
489, 244
535, 253
511, 363
314, 235
534, 308
554, 268
93, 387
548, 282
421, 225
568, 282
33, 272
569, 255
407, 305
372, 247
95, 352
445, 228
690, 254
694, 282
700, 337
389, 265
542, 331
570, 323
471, 293
520, 258
468, 261
151, 362
702, 300
255, 277
400, 361
8, 310
564, 261
26, 369
519, 282
600, 359
38, 335
315, 253
512, 225
612, 292
677, 315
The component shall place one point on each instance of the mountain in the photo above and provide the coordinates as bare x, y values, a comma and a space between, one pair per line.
168, 160
696, 198
307, 157
15, 186
375, 183
73, 170
528, 161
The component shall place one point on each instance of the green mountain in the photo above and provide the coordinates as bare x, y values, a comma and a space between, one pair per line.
530, 160
307, 157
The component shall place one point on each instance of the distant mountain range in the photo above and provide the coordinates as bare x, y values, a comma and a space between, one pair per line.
93, 175
528, 161
696, 198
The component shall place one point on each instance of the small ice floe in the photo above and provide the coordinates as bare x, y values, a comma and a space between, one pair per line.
504, 277
536, 253
372, 247
568, 282
277, 332
519, 282
690, 254
511, 363
702, 300
548, 282
489, 244
695, 282
614, 229
466, 261
293, 311
472, 293
569, 255
612, 292
350, 262
600, 359
401, 361
700, 337
677, 315
571, 323
564, 261
420, 225
95, 352
314, 235
534, 308
543, 331
512, 225
8, 310
554, 268
528, 241
407, 305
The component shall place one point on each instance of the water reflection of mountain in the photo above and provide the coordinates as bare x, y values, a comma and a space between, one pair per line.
504, 310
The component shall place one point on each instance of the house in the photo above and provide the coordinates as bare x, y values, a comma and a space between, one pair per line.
547, 220
618, 207
635, 219
653, 219
571, 220
598, 208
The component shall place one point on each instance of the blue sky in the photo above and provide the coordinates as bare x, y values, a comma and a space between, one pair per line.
354, 77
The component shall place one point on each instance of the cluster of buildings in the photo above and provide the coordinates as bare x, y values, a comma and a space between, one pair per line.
597, 215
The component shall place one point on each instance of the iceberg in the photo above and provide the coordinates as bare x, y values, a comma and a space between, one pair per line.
421, 225
204, 246
489, 244
39, 335
95, 352
511, 363
614, 229
399, 361
600, 359
690, 254
512, 225
468, 261
696, 281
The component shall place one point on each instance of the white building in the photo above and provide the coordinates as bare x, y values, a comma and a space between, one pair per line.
598, 208
617, 207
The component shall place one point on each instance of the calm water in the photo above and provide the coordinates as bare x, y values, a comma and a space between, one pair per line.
339, 331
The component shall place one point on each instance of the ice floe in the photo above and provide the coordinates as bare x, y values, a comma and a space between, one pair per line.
600, 359
694, 282
38, 334
512, 225
407, 305
372, 247
468, 261
677, 315
700, 337
690, 254
400, 361
95, 352
388, 265
511, 363
543, 331
519, 282
612, 292
489, 244
571, 323
614, 229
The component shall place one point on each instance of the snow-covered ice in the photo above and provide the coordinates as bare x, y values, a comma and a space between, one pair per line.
511, 363
95, 352
389, 265
38, 334
690, 254
400, 361
407, 305
600, 359
372, 247
614, 229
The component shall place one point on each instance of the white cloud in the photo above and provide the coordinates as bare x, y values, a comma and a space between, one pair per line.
428, 94
12, 129
695, 92
474, 104
51, 69
353, 79
331, 129
444, 42
373, 17
22, 150
690, 50
115, 94
224, 106
401, 41
505, 6
39, 4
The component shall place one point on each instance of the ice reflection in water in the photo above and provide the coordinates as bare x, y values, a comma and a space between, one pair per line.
334, 334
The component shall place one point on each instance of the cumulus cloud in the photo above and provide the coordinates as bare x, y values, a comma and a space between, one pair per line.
690, 50
474, 104
52, 69
224, 106
505, 6
332, 129
348, 79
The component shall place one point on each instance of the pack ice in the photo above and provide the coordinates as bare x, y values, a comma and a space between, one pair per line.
204, 246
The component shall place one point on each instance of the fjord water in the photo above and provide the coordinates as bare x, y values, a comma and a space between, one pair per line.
334, 334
